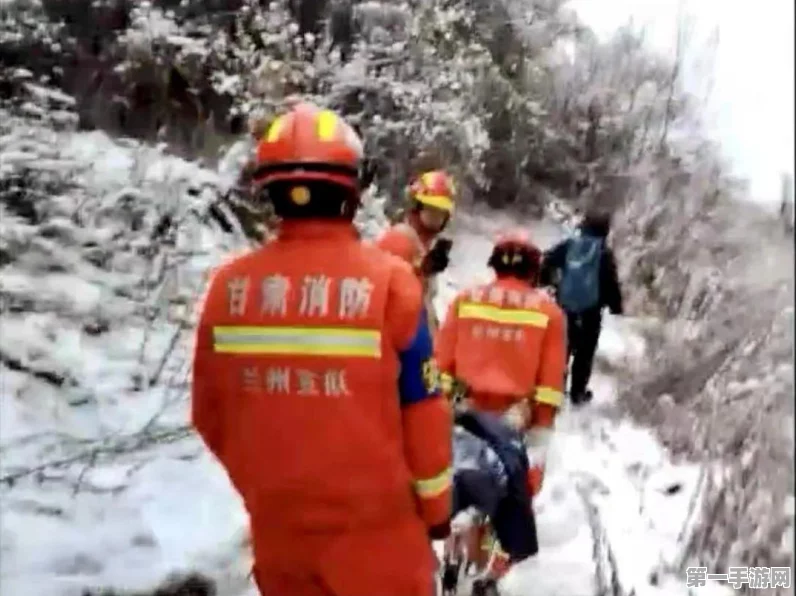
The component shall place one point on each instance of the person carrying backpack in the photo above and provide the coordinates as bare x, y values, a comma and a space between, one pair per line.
583, 270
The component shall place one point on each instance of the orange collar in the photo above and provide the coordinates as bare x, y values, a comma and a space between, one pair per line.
316, 229
513, 283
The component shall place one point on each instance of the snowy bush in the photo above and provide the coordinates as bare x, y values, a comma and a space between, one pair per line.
489, 91
726, 371
717, 269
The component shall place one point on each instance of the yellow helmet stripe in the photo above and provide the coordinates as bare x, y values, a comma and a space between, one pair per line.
275, 130
327, 125
438, 201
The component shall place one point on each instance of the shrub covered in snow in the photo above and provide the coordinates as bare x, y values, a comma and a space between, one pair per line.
717, 271
516, 98
720, 389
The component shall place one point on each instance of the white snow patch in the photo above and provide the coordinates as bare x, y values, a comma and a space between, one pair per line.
177, 515
619, 341
44, 93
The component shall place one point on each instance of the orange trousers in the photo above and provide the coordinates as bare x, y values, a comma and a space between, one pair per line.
395, 560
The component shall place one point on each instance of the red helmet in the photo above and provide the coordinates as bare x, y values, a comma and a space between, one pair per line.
435, 189
512, 245
309, 143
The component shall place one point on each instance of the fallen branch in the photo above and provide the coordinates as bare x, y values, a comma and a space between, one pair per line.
175, 338
37, 437
47, 376
602, 553
122, 445
79, 482
78, 486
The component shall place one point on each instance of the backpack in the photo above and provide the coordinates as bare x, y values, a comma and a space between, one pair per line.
579, 289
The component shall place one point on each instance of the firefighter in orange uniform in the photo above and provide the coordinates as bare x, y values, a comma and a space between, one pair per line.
314, 384
502, 346
431, 196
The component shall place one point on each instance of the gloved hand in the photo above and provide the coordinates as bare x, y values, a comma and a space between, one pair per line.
440, 531
538, 440
456, 390
517, 416
436, 259
462, 405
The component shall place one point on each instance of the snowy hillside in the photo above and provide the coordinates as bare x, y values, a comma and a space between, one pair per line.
106, 248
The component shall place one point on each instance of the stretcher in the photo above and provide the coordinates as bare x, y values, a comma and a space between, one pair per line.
493, 524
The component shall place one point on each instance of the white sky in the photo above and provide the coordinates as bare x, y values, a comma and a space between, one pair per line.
752, 102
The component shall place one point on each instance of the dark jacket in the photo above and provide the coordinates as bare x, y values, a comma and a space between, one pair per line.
610, 290
491, 470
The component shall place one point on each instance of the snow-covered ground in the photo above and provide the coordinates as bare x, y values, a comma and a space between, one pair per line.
141, 497
103, 483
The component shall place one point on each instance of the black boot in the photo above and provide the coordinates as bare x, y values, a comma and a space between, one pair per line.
485, 587
450, 577
578, 399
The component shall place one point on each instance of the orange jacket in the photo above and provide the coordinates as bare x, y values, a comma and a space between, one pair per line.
314, 385
405, 242
506, 341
